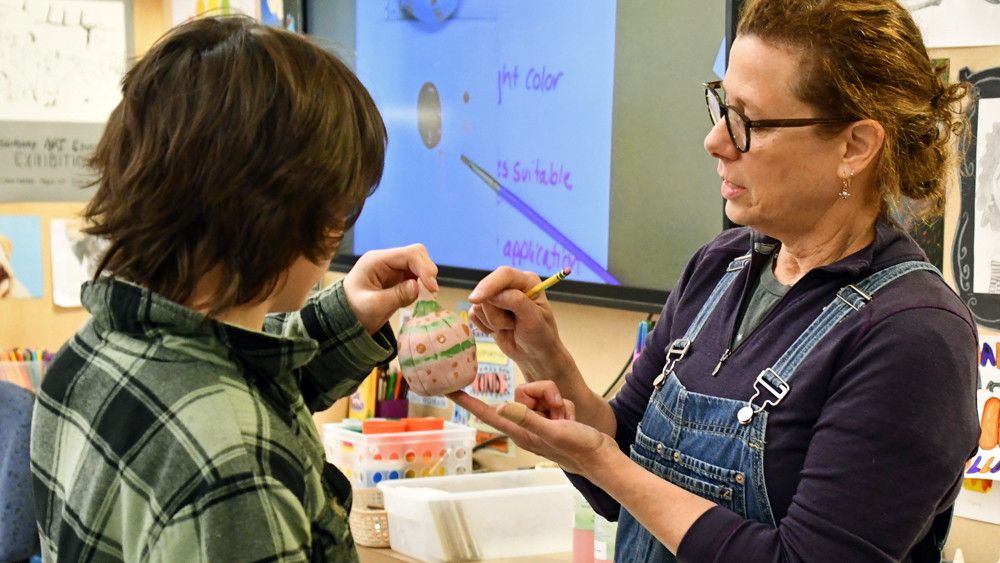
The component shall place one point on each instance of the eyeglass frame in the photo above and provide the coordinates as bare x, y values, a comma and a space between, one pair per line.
760, 123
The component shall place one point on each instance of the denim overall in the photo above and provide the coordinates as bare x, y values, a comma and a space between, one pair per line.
714, 447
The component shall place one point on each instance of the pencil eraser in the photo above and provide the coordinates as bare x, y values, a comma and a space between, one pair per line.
514, 412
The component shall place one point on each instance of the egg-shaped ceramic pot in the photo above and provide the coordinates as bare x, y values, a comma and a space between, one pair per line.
437, 351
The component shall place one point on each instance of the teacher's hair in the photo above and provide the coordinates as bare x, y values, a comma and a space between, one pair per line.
865, 59
236, 146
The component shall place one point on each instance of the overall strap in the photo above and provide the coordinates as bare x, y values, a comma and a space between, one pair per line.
850, 298
679, 348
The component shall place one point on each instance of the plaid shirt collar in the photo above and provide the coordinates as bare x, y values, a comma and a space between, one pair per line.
118, 305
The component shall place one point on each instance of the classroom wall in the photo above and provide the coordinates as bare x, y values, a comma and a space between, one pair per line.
600, 339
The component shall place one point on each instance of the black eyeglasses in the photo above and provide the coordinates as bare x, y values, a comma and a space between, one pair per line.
739, 125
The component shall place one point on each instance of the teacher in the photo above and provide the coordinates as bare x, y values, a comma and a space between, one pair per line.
809, 391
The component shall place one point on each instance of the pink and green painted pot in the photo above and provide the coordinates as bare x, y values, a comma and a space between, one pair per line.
437, 351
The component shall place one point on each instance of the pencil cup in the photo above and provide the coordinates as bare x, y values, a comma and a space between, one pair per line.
392, 409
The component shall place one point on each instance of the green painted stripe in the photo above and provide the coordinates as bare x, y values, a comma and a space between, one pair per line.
445, 321
444, 355
423, 308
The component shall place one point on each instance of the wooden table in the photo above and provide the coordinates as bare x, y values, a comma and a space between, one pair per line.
386, 555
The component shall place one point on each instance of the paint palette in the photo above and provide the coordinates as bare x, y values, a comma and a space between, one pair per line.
369, 459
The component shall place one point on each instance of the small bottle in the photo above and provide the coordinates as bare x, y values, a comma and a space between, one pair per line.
583, 529
604, 540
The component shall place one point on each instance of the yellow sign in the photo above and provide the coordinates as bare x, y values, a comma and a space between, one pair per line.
489, 353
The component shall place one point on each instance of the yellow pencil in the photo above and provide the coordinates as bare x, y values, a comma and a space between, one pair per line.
548, 283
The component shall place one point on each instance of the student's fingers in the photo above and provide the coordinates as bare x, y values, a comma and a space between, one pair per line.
406, 261
501, 279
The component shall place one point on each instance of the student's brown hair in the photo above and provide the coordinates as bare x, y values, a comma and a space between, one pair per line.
866, 59
238, 146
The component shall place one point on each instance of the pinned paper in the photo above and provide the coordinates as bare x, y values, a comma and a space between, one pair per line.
21, 257
719, 68
75, 257
956, 23
494, 384
979, 500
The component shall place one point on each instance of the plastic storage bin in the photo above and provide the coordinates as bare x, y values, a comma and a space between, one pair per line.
369, 459
484, 516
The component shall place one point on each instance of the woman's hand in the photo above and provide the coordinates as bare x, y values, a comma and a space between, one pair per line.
382, 281
549, 429
523, 328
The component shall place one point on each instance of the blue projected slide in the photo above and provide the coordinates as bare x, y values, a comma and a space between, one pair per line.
522, 89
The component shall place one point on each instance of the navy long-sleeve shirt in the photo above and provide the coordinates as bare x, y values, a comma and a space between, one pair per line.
870, 443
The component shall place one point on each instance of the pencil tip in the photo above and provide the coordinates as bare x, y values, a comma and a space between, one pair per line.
465, 160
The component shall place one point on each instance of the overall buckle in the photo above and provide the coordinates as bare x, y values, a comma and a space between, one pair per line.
678, 349
773, 384
865, 298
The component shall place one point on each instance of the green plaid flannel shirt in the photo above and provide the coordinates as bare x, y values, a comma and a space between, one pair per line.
159, 436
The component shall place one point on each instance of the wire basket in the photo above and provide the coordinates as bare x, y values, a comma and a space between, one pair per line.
369, 520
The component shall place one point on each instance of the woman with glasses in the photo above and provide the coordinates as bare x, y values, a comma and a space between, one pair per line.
809, 391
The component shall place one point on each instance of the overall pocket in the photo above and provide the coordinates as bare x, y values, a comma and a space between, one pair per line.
725, 487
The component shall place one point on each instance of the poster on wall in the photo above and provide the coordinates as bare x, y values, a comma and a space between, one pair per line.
286, 14
494, 384
184, 10
956, 23
987, 241
61, 62
975, 255
986, 463
75, 257
980, 495
21, 257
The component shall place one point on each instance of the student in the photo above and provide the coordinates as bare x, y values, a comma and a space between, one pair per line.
175, 426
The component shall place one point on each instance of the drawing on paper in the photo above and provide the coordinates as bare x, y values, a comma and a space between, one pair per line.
60, 61
21, 257
75, 257
956, 23
987, 244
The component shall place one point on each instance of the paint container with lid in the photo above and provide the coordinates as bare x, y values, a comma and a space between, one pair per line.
583, 529
604, 539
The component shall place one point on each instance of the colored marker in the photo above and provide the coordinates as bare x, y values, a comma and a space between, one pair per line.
547, 283
540, 221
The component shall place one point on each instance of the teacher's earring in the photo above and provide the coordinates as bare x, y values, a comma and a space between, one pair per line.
844, 194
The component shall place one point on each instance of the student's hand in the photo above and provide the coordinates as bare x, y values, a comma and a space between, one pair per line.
523, 328
576, 447
382, 281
